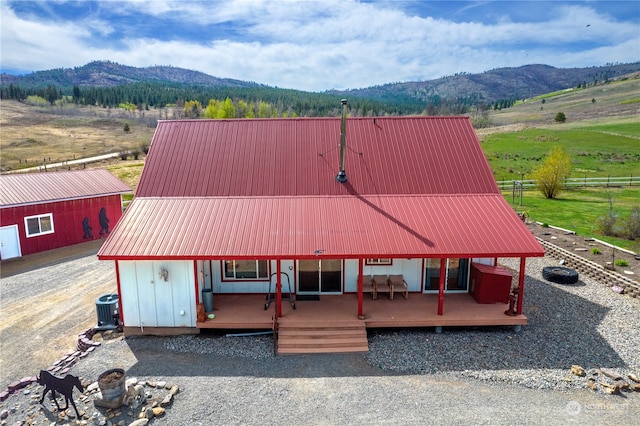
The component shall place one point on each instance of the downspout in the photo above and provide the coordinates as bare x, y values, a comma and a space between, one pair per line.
119, 293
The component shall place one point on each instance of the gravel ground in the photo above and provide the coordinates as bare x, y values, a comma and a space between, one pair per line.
461, 376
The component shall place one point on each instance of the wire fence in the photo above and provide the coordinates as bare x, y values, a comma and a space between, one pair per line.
602, 182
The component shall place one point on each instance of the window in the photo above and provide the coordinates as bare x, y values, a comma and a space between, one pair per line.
245, 269
39, 225
378, 262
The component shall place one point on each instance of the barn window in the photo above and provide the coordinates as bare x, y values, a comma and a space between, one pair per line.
39, 225
378, 262
245, 269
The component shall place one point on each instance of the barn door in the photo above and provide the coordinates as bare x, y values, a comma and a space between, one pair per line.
9, 242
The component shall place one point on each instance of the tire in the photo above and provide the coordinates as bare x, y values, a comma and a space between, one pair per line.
560, 275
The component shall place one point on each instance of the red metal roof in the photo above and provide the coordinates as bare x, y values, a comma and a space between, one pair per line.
31, 188
340, 226
417, 187
275, 157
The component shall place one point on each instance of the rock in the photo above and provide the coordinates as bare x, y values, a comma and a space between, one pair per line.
92, 387
147, 413
158, 411
636, 387
167, 400
161, 384
139, 422
130, 382
4, 414
577, 370
591, 384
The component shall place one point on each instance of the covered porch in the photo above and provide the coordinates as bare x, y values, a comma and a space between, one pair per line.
246, 311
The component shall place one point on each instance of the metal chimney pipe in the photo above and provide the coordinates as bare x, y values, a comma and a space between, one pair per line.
342, 175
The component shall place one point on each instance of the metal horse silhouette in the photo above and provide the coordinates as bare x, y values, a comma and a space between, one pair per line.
64, 386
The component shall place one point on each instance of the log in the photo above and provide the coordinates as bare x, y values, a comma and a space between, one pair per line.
634, 378
612, 375
591, 384
611, 389
636, 387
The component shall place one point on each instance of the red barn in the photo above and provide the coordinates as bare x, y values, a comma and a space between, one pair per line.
313, 214
44, 211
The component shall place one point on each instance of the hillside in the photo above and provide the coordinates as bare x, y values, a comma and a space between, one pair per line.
109, 74
617, 100
448, 95
498, 84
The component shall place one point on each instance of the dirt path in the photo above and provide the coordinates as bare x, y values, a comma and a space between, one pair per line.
43, 309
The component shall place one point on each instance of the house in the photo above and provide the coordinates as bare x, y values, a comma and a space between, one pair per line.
281, 210
44, 211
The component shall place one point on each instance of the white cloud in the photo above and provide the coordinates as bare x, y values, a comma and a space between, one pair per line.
319, 45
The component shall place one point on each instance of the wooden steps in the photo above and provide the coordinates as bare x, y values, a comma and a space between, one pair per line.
322, 337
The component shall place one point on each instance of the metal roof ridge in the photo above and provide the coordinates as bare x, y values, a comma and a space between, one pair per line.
381, 117
315, 196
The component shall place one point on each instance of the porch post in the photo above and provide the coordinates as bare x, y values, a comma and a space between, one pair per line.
360, 269
278, 289
523, 261
441, 289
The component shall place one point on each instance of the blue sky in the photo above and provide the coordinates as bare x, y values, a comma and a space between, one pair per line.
318, 45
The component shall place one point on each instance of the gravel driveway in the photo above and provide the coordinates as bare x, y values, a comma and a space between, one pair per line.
46, 300
462, 376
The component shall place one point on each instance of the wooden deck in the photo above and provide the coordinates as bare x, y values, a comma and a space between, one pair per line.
419, 310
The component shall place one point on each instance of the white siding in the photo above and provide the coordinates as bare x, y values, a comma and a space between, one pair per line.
150, 301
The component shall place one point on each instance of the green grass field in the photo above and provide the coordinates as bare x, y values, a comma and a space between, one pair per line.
596, 151
579, 210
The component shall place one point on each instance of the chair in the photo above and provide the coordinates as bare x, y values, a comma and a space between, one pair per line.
398, 284
381, 283
368, 287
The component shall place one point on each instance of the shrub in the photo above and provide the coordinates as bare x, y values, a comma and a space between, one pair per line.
550, 175
545, 225
595, 250
560, 117
621, 262
631, 224
126, 127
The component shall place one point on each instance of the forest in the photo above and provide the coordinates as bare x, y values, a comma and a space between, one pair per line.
247, 102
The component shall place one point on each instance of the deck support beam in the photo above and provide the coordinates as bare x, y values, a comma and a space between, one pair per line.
278, 289
360, 269
523, 261
443, 264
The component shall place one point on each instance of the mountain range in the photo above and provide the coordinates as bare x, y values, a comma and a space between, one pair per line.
490, 86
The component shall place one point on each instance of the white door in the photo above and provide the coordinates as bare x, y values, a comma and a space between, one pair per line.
9, 242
